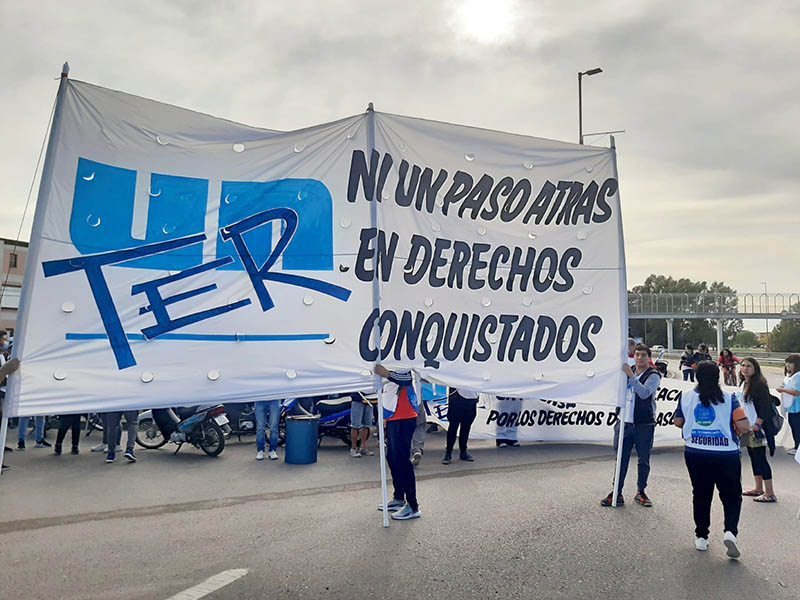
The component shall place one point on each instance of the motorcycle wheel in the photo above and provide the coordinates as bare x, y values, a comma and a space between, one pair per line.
212, 439
148, 435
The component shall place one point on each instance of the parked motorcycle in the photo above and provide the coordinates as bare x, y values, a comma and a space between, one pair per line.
661, 364
200, 426
242, 419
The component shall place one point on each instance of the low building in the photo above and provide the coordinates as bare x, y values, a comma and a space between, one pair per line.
13, 257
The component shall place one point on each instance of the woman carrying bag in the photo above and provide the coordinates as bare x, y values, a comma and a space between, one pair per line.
757, 403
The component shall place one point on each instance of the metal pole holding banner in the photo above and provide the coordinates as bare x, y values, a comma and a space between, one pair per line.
46, 182
623, 309
376, 332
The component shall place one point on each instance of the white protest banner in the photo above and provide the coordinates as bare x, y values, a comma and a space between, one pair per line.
533, 420
177, 258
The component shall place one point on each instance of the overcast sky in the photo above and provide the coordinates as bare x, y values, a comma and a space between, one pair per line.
708, 93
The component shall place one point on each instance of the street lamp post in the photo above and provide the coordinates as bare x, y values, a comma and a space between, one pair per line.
766, 310
580, 100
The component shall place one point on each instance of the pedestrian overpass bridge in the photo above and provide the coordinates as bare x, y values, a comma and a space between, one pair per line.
715, 306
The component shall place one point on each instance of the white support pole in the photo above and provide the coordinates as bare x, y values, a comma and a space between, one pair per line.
3, 433
376, 332
670, 336
719, 335
45, 183
624, 326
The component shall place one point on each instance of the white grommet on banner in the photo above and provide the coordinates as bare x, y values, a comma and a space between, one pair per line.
213, 375
291, 373
147, 377
59, 374
68, 307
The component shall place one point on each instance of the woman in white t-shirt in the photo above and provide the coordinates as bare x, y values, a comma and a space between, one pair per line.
790, 397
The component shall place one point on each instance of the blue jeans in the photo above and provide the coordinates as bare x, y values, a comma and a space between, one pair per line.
38, 428
274, 409
640, 436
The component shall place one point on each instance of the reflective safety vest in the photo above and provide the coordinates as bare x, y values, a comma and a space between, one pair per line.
708, 428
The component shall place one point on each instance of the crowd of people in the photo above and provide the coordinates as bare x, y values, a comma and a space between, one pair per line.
714, 427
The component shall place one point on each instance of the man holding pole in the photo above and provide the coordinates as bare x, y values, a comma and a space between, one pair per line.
401, 406
639, 415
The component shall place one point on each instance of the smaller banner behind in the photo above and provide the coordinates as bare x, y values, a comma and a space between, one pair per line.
535, 420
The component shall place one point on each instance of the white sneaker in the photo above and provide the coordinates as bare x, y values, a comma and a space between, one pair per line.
355, 453
273, 455
791, 451
730, 543
100, 448
416, 457
119, 448
406, 513
393, 505
701, 544
260, 455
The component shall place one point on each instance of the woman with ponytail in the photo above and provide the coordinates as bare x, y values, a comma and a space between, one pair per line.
711, 426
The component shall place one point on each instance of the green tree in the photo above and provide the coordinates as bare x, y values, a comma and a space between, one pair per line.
717, 297
785, 336
745, 339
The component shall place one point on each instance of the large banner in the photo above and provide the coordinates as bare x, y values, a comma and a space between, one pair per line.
177, 258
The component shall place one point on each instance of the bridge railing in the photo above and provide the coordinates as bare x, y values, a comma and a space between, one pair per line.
714, 305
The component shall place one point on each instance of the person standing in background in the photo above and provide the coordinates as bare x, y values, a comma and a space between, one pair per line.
790, 397
687, 363
462, 407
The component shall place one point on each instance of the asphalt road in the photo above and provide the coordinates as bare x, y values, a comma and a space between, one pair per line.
517, 523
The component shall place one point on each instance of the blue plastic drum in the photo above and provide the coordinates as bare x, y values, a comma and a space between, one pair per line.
301, 439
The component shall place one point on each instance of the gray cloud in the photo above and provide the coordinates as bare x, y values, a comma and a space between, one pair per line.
706, 91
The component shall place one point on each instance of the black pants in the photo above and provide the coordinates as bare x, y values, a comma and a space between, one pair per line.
398, 449
65, 423
758, 461
794, 423
460, 416
707, 470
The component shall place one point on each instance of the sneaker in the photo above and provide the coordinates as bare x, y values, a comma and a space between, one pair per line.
273, 455
43, 444
111, 457
393, 505
608, 500
501, 444
6, 468
513, 444
701, 544
792, 451
467, 457
416, 457
730, 543
57, 449
75, 450
130, 456
448, 458
260, 455
406, 513
21, 445
365, 452
642, 499
118, 448
355, 453
100, 448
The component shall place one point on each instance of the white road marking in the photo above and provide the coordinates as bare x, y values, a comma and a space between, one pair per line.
210, 585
